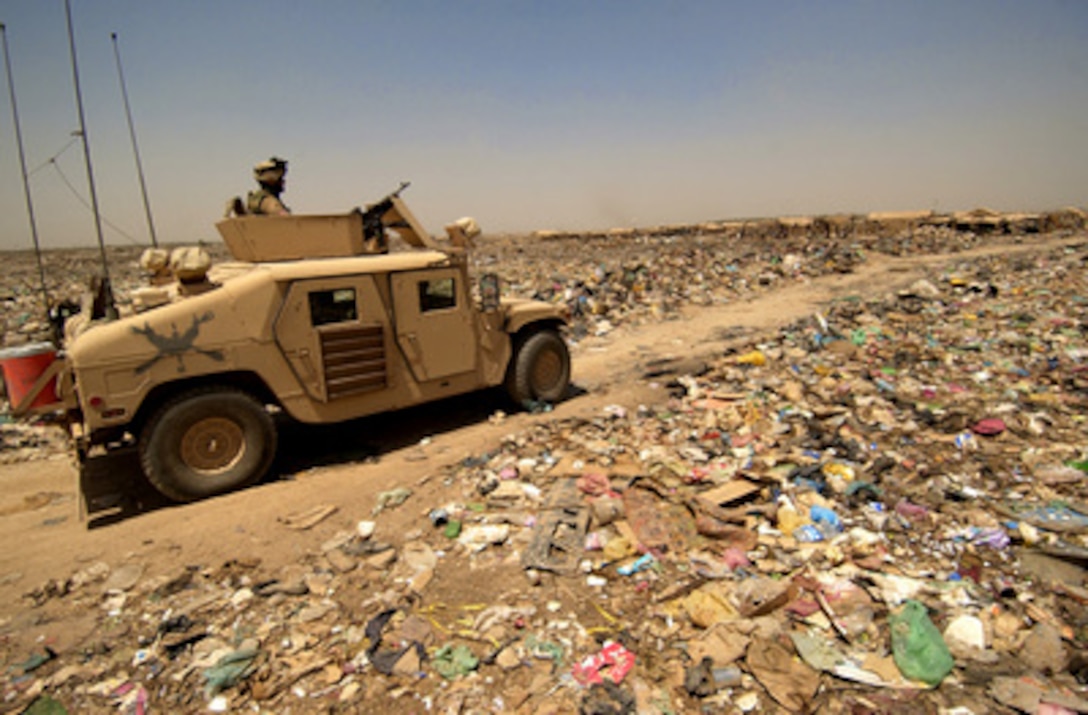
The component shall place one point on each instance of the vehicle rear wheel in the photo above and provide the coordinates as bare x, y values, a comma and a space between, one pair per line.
539, 369
207, 442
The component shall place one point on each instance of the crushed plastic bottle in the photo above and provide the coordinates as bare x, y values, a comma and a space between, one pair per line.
640, 564
808, 534
826, 520
788, 518
965, 441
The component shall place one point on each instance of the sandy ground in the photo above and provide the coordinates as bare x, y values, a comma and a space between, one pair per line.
348, 465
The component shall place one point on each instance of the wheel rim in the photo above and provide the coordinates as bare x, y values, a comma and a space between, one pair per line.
213, 445
547, 371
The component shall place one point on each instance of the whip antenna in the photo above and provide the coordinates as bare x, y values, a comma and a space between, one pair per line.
22, 166
135, 149
107, 287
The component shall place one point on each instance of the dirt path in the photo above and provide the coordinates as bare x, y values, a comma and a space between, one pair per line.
44, 539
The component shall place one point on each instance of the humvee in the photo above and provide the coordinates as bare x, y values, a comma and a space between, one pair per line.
318, 319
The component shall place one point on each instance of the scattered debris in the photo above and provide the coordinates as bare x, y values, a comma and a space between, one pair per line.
874, 509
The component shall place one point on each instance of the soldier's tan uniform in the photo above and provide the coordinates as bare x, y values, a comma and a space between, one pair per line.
263, 201
266, 199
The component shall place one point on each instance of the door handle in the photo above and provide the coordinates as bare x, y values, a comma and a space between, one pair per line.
307, 364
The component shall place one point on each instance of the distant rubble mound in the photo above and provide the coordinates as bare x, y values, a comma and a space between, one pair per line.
877, 224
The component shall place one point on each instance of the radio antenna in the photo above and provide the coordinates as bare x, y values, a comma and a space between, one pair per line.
106, 288
135, 148
22, 166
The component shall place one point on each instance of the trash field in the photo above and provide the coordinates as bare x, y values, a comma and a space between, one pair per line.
880, 508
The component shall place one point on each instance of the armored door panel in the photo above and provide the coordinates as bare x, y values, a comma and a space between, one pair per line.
333, 333
434, 324
353, 358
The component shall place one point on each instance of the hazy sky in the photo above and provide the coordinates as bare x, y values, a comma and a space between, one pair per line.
551, 114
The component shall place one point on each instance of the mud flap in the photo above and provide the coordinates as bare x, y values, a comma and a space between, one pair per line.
108, 482
559, 537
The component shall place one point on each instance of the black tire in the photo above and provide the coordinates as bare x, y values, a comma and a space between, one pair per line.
206, 442
539, 369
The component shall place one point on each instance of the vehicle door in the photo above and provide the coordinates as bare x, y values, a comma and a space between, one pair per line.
434, 324
333, 332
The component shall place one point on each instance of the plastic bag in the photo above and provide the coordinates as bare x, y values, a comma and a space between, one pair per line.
917, 646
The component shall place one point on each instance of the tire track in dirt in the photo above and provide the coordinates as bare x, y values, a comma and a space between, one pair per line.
697, 333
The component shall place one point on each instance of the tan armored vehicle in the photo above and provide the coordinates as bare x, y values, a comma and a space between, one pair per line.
318, 320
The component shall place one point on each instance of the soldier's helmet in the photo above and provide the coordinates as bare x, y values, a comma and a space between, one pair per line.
271, 171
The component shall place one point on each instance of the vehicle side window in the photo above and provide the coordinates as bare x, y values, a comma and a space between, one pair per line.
437, 294
332, 306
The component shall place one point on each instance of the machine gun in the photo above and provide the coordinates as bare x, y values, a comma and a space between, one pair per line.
374, 224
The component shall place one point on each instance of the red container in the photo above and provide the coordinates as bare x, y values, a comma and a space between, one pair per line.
22, 366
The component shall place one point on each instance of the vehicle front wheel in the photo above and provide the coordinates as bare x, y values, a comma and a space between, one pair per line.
539, 369
206, 442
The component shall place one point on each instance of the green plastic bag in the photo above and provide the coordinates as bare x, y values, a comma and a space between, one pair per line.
45, 705
454, 661
917, 646
230, 669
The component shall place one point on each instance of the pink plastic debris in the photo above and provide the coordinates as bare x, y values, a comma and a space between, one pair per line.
989, 427
735, 558
614, 662
913, 512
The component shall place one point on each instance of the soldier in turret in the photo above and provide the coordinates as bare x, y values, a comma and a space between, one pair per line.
266, 199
